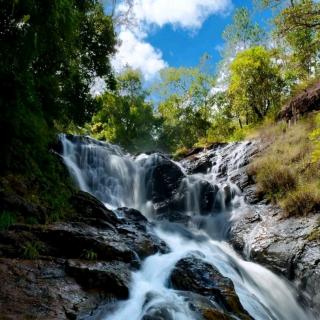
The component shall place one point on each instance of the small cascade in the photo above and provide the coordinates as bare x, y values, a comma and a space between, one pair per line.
199, 196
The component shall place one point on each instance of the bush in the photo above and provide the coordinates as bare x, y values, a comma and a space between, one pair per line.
89, 255
285, 170
315, 137
273, 178
6, 220
31, 249
302, 201
314, 234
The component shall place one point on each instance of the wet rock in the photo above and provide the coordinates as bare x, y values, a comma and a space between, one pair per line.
50, 288
202, 165
127, 243
201, 160
173, 216
208, 197
13, 202
176, 208
165, 179
110, 277
284, 245
133, 215
197, 276
41, 289
204, 307
68, 240
159, 312
91, 211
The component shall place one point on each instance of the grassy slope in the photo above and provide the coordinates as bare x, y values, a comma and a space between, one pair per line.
284, 171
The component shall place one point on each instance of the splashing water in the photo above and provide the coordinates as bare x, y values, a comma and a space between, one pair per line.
121, 180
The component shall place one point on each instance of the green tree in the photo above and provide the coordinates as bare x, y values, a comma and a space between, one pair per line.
255, 85
125, 117
242, 33
186, 106
299, 25
50, 53
222, 124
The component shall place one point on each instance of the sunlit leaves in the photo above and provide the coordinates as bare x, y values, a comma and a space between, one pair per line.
255, 84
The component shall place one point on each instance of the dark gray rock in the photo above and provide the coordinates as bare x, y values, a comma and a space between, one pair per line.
92, 211
194, 275
51, 288
284, 245
165, 179
41, 289
109, 277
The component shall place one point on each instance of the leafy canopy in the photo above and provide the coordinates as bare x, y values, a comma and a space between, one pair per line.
125, 117
255, 84
186, 107
50, 52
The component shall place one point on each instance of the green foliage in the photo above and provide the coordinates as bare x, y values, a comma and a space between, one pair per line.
186, 105
315, 137
49, 54
255, 85
242, 33
125, 117
297, 26
89, 255
6, 220
31, 249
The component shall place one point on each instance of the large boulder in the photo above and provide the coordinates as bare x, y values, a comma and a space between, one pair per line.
41, 289
66, 270
288, 246
165, 178
307, 101
110, 277
208, 198
194, 275
91, 211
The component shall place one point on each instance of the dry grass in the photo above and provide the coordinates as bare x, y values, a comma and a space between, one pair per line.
285, 171
273, 178
302, 201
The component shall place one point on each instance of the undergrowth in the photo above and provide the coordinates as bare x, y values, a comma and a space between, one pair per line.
286, 171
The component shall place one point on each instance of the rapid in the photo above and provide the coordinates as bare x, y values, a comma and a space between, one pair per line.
203, 206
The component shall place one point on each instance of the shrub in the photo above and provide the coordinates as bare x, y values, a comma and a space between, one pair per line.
89, 255
284, 171
31, 249
315, 137
314, 234
302, 201
273, 178
180, 153
6, 220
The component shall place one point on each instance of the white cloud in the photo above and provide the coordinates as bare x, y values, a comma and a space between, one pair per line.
188, 14
138, 54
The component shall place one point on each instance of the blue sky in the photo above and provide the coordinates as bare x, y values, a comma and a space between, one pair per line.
181, 47
177, 32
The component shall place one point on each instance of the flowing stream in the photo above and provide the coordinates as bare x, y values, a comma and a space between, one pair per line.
122, 180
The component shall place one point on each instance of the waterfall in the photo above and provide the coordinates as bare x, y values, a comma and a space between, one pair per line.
204, 204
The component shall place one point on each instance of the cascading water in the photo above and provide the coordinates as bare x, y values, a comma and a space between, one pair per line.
209, 201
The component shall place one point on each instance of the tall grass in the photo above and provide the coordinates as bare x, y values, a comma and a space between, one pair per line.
285, 170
